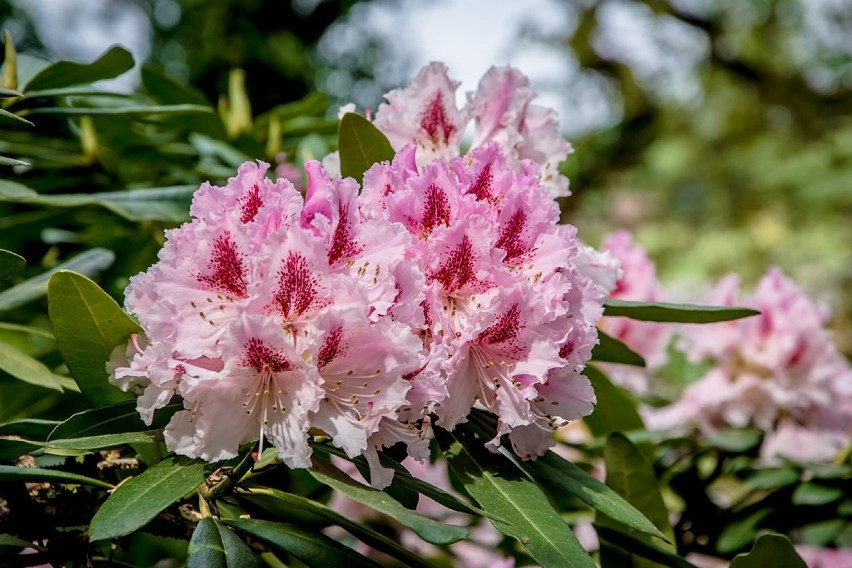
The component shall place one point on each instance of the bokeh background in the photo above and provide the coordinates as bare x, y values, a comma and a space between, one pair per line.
719, 132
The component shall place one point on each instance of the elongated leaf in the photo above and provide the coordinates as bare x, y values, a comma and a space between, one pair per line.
770, 551
112, 419
105, 441
630, 475
679, 313
112, 63
313, 548
4, 92
139, 500
361, 145
88, 325
81, 90
9, 540
126, 110
290, 506
815, 494
6, 161
215, 546
643, 548
12, 449
10, 263
90, 263
592, 492
12, 120
26, 368
429, 530
612, 350
499, 486
27, 474
615, 410
33, 428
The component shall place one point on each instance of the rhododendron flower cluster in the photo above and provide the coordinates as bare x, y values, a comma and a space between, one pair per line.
354, 313
779, 371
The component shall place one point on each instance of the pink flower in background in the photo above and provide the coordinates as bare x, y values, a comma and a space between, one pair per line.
779, 371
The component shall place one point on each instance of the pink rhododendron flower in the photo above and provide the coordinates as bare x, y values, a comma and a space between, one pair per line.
778, 371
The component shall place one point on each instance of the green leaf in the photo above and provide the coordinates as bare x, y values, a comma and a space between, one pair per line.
736, 440
4, 92
612, 350
125, 110
89, 262
361, 145
823, 532
739, 533
643, 548
630, 475
215, 546
615, 410
135, 503
771, 478
115, 61
105, 441
313, 548
428, 529
88, 324
27, 474
168, 90
5, 161
33, 428
770, 551
301, 510
112, 419
500, 487
9, 540
12, 449
10, 263
575, 481
12, 120
815, 494
26, 368
678, 313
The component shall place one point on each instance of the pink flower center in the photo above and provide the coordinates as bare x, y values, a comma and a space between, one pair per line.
227, 271
262, 357
250, 203
331, 347
343, 245
436, 208
504, 332
511, 236
483, 184
434, 120
458, 269
297, 287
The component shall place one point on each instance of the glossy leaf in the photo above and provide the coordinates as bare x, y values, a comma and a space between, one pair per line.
301, 510
428, 529
678, 313
33, 428
89, 263
630, 475
112, 419
12, 120
577, 482
313, 548
88, 325
4, 92
135, 503
9, 540
361, 145
12, 449
500, 487
612, 350
112, 63
10, 263
124, 110
104, 441
26, 368
28, 474
6, 161
770, 551
615, 410
215, 546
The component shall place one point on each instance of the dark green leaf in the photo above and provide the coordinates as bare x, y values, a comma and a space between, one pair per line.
128, 110
168, 90
32, 428
361, 145
112, 419
611, 350
215, 546
27, 474
12, 449
770, 551
82, 90
12, 120
10, 263
88, 324
823, 532
89, 262
679, 313
815, 494
135, 503
4, 92
643, 548
615, 410
739, 533
592, 492
500, 487
111, 63
104, 441
9, 540
429, 530
26, 368
313, 548
772, 478
301, 510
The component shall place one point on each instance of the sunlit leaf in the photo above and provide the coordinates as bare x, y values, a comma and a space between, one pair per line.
26, 368
612, 350
679, 313
88, 324
112, 63
615, 410
770, 551
28, 474
215, 546
135, 503
105, 441
361, 145
12, 120
428, 529
499, 486
311, 547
